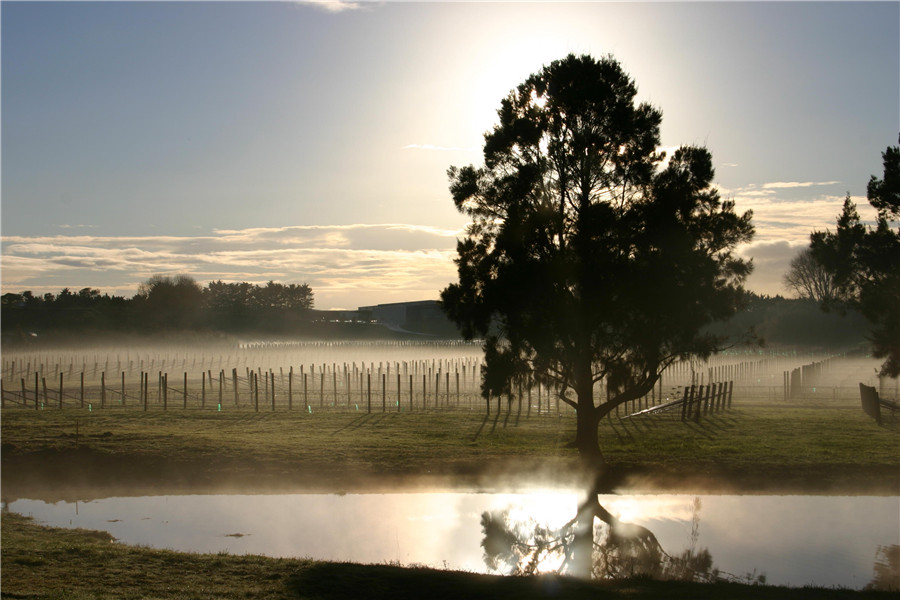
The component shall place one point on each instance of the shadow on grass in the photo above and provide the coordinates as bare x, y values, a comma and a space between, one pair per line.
354, 424
377, 582
483, 423
334, 581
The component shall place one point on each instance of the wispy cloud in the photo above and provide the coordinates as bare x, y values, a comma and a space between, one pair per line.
784, 214
68, 226
780, 216
344, 264
334, 6
796, 184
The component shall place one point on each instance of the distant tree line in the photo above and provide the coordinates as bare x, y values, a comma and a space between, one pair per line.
170, 303
162, 303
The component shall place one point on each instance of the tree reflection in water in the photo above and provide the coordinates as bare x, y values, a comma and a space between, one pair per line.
594, 543
886, 571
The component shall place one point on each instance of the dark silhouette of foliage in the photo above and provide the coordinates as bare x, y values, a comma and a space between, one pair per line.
243, 306
24, 313
162, 303
170, 302
588, 261
809, 279
865, 261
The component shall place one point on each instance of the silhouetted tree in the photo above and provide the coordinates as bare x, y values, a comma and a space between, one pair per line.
587, 262
865, 261
244, 305
170, 302
809, 279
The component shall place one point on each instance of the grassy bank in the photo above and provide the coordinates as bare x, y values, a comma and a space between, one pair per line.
751, 447
48, 563
69, 454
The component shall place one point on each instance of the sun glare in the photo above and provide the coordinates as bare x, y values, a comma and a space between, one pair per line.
505, 67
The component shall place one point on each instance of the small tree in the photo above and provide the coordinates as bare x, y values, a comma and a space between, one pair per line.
585, 262
809, 279
865, 261
170, 302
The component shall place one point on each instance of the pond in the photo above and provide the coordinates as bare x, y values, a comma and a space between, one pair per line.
791, 540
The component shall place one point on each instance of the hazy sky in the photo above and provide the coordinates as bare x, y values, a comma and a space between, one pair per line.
305, 142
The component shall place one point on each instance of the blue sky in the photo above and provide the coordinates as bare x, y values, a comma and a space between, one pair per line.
309, 142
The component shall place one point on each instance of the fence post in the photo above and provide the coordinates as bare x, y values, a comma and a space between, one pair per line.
102, 389
237, 400
272, 374
82, 388
60, 390
698, 401
383, 392
730, 391
685, 402
369, 390
707, 398
411, 393
37, 391
305, 396
291, 388
184, 392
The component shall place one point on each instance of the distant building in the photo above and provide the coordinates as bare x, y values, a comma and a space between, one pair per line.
423, 317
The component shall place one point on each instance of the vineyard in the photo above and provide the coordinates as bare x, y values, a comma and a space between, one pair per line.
381, 376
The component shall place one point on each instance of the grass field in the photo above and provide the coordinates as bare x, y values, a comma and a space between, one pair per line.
757, 446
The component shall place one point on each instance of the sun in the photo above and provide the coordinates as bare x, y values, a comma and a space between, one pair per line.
508, 62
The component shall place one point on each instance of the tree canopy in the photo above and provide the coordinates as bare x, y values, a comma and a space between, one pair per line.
809, 278
591, 257
165, 302
865, 260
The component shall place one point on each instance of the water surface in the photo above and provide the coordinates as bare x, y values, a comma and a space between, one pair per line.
792, 540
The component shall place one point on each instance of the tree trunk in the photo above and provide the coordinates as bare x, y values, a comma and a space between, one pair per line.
587, 421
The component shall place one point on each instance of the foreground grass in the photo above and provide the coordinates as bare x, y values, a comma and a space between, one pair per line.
751, 447
48, 563
51, 453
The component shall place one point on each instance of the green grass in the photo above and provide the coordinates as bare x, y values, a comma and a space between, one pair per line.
755, 446
760, 446
74, 564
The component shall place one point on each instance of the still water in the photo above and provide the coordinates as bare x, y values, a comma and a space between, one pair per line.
792, 540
